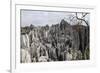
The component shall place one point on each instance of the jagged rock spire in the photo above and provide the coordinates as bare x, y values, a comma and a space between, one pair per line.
63, 24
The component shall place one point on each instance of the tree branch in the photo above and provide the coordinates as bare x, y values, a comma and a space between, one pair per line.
82, 19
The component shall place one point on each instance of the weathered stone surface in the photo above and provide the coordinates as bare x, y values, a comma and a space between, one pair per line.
58, 42
25, 56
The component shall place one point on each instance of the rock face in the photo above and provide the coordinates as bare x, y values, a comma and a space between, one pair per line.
58, 42
25, 42
83, 33
25, 56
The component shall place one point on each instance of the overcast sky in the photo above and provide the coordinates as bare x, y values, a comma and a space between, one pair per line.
41, 18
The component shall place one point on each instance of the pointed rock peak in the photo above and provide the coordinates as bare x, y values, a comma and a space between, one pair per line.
63, 22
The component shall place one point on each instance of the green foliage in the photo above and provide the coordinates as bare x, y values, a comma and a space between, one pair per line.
87, 54
25, 30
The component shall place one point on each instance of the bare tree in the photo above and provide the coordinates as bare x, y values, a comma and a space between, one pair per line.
82, 18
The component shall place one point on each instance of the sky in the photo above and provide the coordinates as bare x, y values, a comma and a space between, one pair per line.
41, 18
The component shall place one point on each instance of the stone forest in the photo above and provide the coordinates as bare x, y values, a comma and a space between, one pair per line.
58, 42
